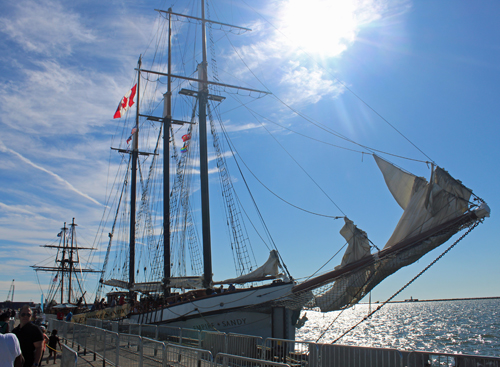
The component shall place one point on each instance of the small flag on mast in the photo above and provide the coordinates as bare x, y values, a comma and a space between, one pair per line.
134, 130
126, 102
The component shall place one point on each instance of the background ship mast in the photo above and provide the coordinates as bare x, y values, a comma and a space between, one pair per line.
66, 267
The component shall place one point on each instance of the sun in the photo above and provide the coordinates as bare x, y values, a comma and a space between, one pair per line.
320, 27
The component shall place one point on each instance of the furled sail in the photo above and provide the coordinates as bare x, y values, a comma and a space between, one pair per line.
433, 212
147, 287
270, 270
358, 248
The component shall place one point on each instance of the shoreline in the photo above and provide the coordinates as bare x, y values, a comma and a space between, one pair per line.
434, 300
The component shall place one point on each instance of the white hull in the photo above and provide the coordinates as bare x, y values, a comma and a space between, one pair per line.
248, 311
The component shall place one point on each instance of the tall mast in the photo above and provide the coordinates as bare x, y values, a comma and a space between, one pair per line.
167, 119
203, 97
63, 260
205, 208
66, 262
70, 261
133, 188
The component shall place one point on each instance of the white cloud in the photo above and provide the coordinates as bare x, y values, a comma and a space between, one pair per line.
45, 27
52, 174
307, 85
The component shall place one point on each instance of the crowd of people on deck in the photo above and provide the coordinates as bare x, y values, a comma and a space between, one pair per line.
150, 303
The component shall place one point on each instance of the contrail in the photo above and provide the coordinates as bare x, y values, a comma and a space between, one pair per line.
56, 176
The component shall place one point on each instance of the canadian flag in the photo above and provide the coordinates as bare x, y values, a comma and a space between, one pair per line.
125, 103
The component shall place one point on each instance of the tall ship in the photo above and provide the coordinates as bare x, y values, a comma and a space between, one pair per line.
67, 290
179, 175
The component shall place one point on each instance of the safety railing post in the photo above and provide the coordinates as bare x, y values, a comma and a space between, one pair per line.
117, 352
104, 350
141, 351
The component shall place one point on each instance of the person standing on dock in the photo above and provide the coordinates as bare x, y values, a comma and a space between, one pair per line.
30, 338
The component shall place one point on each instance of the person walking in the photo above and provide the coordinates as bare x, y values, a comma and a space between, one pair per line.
53, 341
30, 338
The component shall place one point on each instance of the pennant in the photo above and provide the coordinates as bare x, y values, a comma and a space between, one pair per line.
134, 130
126, 102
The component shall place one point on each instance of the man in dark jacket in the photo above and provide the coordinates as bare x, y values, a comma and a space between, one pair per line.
30, 338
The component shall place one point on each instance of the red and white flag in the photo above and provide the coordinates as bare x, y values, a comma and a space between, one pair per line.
125, 103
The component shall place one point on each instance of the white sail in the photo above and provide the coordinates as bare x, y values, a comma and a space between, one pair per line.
269, 270
427, 204
348, 287
432, 212
399, 182
358, 244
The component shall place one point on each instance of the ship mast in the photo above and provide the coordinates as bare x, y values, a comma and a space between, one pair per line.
205, 207
133, 188
66, 267
167, 121
203, 96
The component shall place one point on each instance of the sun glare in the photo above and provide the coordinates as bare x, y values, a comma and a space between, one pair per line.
320, 27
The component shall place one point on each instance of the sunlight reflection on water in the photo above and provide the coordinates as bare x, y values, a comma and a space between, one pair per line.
468, 326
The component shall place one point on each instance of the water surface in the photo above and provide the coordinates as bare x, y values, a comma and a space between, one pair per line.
465, 326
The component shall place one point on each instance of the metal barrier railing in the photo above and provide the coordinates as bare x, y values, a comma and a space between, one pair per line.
169, 334
225, 360
69, 358
154, 352
351, 356
187, 356
172, 345
244, 345
284, 350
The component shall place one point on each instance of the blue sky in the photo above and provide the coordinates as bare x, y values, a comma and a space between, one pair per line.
430, 69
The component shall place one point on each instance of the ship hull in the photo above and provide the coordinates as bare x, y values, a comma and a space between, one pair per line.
250, 311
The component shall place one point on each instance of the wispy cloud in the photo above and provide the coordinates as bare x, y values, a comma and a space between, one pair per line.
308, 86
61, 27
68, 185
